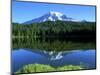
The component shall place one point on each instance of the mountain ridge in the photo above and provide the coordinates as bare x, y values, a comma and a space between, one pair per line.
50, 16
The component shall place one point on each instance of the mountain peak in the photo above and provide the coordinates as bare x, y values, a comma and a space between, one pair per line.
56, 13
51, 16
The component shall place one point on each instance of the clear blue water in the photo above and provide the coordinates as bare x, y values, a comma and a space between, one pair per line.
22, 57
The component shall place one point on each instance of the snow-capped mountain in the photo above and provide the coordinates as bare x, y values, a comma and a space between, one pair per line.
51, 16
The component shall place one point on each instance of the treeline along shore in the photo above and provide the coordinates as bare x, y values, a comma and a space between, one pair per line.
55, 29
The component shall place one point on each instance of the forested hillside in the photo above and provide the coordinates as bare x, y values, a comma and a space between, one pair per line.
55, 29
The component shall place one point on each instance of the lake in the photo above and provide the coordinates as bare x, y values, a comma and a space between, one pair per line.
23, 57
53, 52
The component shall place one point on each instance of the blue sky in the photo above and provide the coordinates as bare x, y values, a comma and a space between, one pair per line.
25, 11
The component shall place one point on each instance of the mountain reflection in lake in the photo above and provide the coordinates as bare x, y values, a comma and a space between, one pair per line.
53, 52
22, 57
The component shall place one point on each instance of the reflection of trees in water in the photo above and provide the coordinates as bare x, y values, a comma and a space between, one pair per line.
52, 44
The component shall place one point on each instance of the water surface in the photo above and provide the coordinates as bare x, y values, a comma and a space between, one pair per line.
22, 57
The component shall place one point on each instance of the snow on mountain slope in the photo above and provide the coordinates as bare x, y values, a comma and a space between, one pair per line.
51, 16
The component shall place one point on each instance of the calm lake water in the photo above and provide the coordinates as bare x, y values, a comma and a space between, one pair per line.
55, 52
22, 57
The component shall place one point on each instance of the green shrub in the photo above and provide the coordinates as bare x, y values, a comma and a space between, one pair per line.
69, 67
33, 68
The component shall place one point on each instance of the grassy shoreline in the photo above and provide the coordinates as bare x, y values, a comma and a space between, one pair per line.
34, 68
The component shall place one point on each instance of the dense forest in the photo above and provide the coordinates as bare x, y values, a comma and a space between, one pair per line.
55, 29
